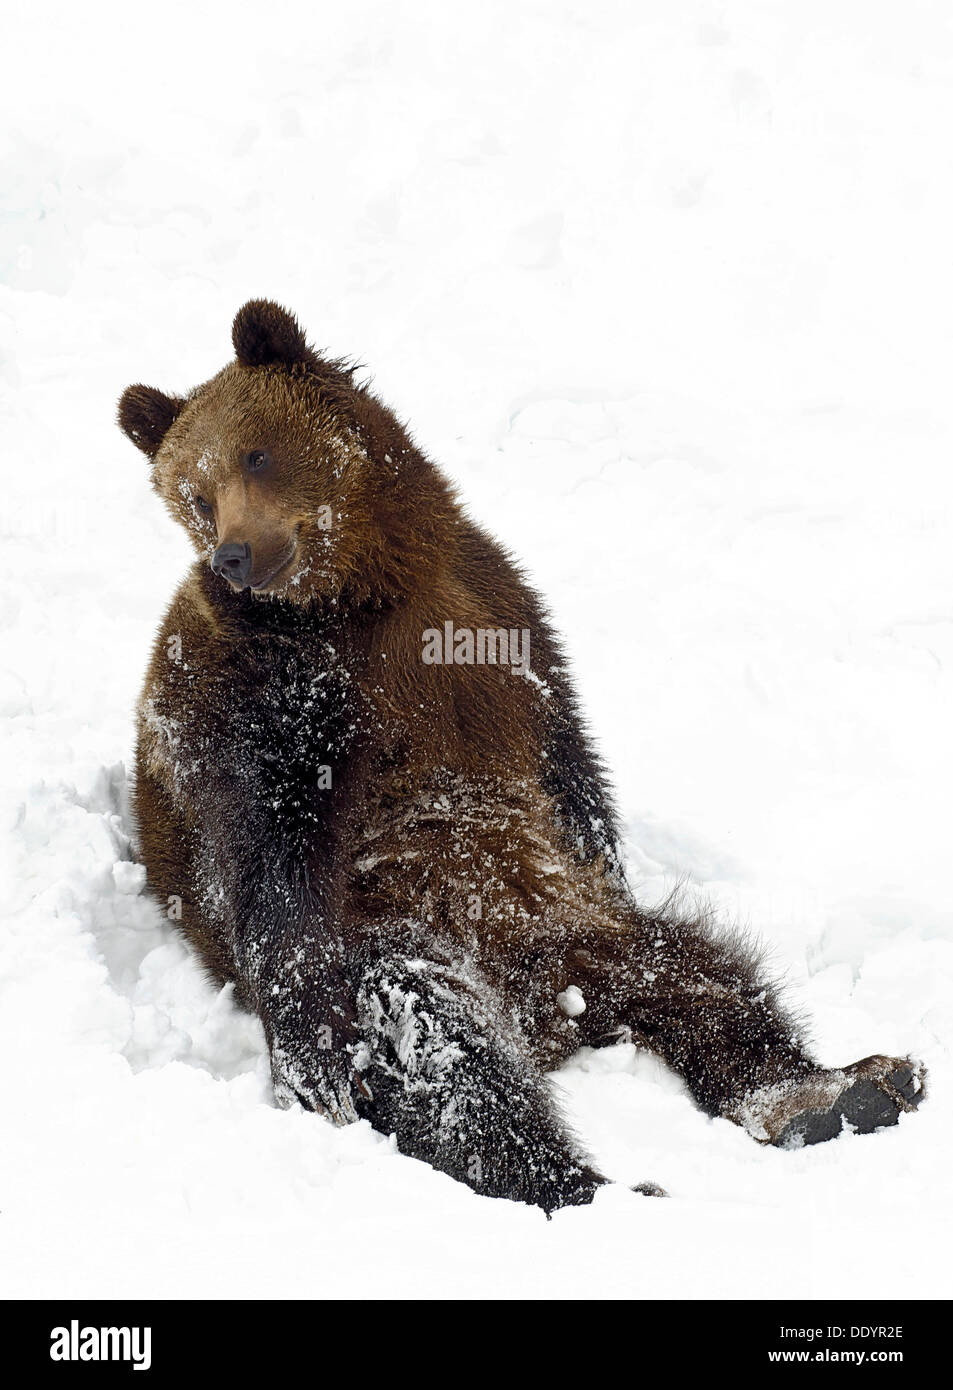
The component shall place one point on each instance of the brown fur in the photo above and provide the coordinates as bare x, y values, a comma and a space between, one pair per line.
404, 932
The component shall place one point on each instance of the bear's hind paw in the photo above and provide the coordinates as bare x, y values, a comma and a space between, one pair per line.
877, 1092
868, 1095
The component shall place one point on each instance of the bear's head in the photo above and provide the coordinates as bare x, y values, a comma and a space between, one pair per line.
292, 480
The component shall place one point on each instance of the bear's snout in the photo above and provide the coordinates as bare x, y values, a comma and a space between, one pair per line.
233, 562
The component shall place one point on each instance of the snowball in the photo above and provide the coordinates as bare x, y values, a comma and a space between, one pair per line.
571, 1001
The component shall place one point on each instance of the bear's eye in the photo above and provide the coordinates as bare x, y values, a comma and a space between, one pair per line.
204, 507
257, 460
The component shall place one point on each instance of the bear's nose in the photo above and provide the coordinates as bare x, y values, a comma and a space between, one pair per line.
233, 562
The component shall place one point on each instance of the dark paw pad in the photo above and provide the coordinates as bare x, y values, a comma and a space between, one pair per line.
877, 1092
908, 1080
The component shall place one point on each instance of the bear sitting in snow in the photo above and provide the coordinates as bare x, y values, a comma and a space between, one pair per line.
362, 772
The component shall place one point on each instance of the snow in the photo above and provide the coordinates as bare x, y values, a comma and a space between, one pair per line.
667, 290
572, 1001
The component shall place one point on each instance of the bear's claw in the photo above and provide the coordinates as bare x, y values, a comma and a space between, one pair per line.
322, 1082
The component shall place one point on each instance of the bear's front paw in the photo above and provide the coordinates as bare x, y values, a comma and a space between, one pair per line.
325, 1082
863, 1097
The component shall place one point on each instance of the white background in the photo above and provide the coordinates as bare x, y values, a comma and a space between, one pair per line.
667, 289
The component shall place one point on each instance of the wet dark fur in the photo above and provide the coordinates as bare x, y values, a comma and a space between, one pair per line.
404, 932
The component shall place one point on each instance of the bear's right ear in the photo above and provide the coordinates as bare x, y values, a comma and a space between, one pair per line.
145, 415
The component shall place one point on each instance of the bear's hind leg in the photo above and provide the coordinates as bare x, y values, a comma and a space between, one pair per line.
699, 999
459, 1089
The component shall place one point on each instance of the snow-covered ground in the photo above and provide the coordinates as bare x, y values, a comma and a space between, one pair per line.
668, 289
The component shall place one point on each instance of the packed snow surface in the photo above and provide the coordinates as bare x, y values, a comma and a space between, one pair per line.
668, 291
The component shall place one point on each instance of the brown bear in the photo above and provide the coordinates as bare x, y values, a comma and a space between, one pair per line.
363, 779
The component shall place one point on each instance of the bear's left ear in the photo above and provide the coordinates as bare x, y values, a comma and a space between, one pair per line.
263, 332
145, 415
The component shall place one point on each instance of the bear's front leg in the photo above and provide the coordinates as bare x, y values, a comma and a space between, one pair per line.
305, 995
458, 1088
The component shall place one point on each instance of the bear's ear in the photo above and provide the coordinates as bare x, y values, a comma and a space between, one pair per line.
263, 332
145, 415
